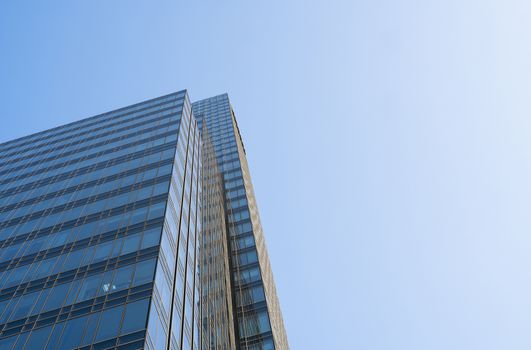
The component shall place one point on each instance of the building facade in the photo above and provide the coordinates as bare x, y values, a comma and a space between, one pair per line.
258, 319
118, 232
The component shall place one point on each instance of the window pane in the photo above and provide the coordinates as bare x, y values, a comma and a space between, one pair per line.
7, 343
109, 323
144, 272
73, 333
123, 277
101, 252
89, 288
57, 297
21, 341
106, 285
38, 338
135, 316
56, 333
24, 305
131, 244
151, 238
90, 329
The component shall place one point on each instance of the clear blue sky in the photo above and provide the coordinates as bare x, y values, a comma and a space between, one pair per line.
389, 144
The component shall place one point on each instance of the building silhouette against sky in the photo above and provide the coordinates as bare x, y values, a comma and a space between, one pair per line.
133, 229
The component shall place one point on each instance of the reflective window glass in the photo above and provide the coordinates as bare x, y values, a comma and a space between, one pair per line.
109, 323
135, 316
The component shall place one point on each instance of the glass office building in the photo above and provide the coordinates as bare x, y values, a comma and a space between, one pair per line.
217, 316
123, 231
256, 311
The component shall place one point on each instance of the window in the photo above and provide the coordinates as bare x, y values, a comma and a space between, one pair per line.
123, 277
21, 340
151, 238
135, 316
248, 276
12, 303
244, 242
250, 296
144, 272
73, 260
24, 306
254, 323
3, 304
89, 288
247, 258
266, 344
7, 343
57, 297
101, 252
131, 244
73, 292
156, 210
16, 276
73, 333
45, 267
106, 284
90, 329
109, 323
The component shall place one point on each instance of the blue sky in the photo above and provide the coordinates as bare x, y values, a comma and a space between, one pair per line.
388, 141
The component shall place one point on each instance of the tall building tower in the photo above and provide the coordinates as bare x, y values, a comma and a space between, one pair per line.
119, 232
98, 233
256, 311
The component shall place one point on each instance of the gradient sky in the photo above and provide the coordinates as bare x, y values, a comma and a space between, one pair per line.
389, 144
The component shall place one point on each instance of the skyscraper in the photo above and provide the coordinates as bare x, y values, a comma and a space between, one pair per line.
259, 323
123, 231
